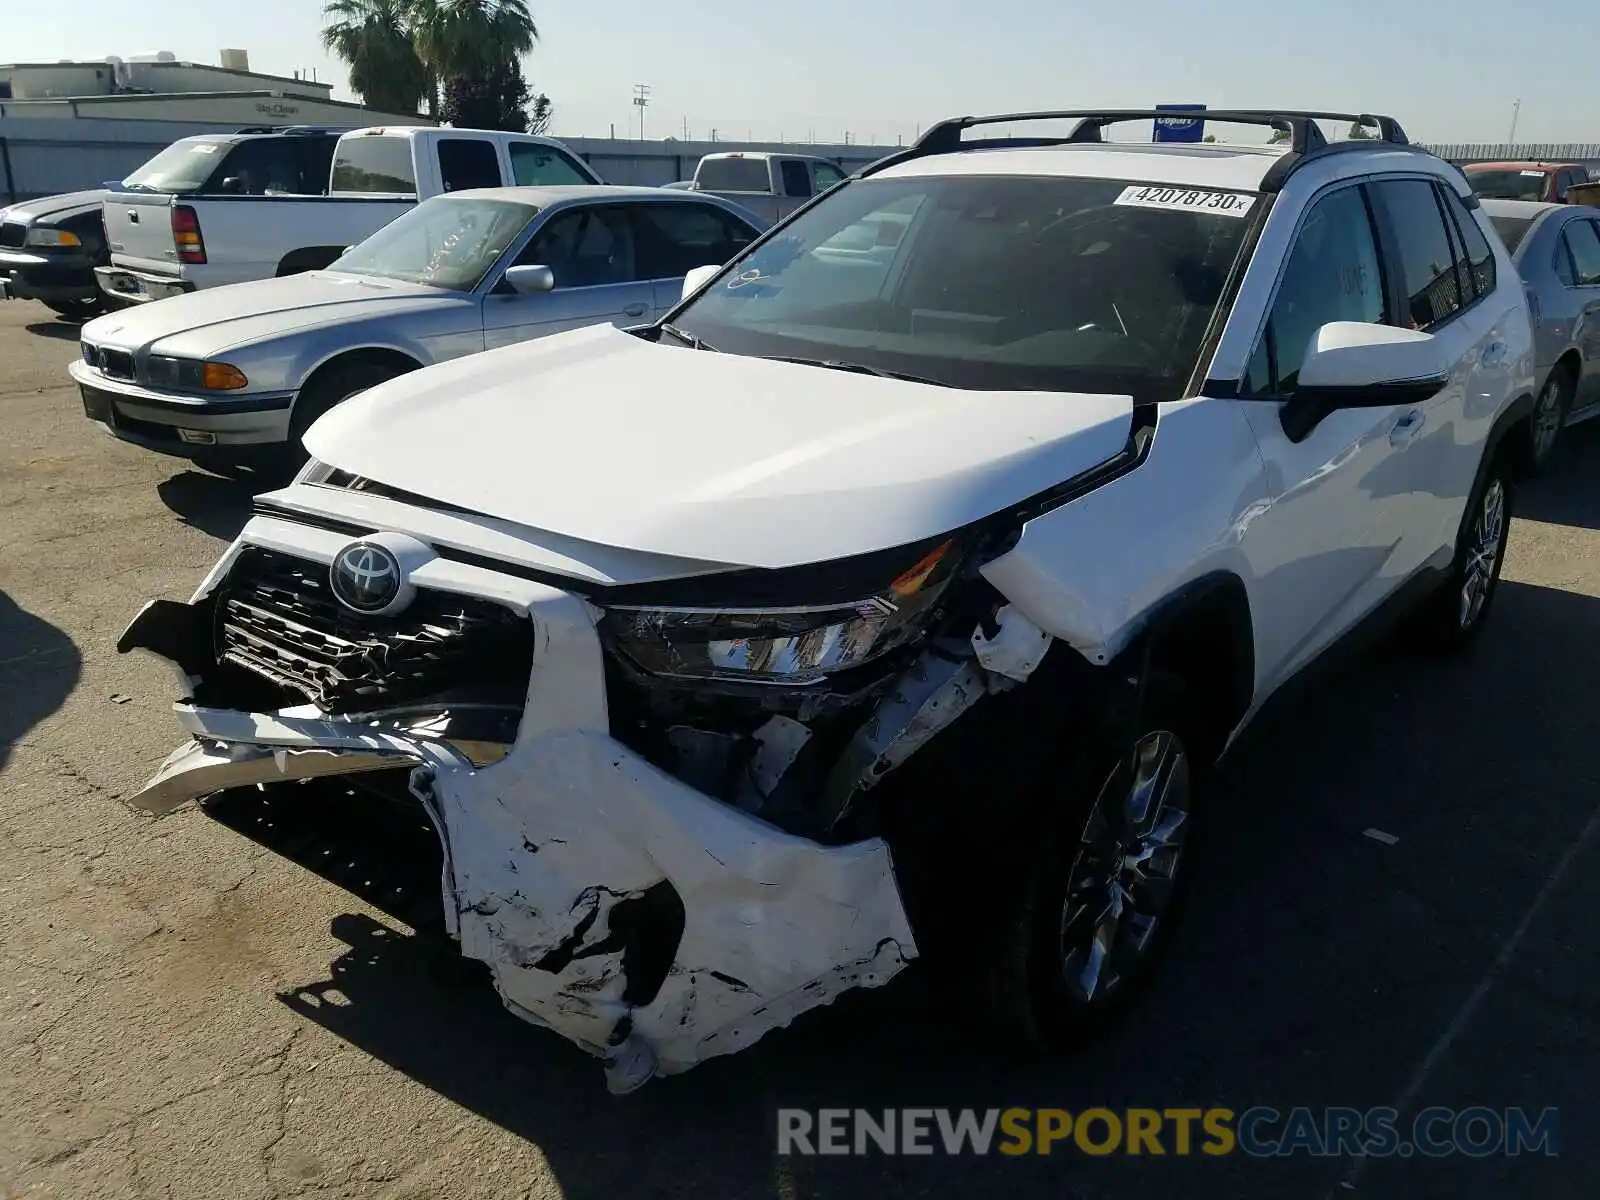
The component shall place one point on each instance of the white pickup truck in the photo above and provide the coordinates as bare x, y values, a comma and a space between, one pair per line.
769, 185
164, 243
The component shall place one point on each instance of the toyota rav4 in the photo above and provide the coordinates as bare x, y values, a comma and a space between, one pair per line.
893, 595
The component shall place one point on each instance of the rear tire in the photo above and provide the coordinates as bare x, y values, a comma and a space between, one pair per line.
1102, 892
1547, 419
1453, 617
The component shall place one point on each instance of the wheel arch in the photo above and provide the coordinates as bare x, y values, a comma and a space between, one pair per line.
376, 356
1204, 634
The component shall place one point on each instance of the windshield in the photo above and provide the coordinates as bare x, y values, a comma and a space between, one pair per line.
182, 167
1511, 230
999, 283
1508, 184
446, 242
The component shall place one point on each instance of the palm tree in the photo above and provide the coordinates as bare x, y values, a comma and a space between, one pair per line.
464, 37
375, 38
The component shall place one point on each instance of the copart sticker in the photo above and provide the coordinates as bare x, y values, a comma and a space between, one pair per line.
1222, 204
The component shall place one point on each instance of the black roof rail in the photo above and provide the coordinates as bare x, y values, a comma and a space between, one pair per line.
1301, 126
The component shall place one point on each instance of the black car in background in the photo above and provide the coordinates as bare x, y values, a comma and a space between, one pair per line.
49, 249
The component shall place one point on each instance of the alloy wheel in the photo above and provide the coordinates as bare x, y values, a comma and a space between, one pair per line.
1547, 418
1485, 543
1122, 882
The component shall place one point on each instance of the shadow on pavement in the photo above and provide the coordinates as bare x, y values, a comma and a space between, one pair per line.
210, 503
62, 328
39, 667
1568, 495
1318, 966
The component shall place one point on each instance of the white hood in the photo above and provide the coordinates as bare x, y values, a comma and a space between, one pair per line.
605, 437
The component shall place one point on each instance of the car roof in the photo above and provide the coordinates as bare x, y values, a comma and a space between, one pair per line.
544, 197
1240, 167
1525, 210
1529, 165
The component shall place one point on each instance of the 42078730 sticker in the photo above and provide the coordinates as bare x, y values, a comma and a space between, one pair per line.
1221, 204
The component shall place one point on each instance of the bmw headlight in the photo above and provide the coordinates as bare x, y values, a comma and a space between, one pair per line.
192, 375
794, 646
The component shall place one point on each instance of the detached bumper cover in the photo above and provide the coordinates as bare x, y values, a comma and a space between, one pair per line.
643, 920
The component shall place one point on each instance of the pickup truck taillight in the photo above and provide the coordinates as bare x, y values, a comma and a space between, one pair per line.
186, 235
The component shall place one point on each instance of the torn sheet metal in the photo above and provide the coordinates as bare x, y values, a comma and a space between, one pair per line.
552, 845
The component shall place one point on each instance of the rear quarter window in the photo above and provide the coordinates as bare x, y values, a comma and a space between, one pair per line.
373, 163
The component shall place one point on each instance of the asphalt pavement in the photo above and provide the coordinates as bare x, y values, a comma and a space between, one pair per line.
251, 1000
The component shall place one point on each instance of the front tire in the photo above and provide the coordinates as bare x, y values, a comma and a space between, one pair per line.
1104, 890
77, 310
324, 393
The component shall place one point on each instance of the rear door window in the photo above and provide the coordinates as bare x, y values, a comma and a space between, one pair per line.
674, 239
468, 163
796, 179
1585, 245
373, 163
1477, 261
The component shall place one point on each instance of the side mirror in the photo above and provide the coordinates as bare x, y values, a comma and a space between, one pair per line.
233, 185
529, 281
697, 279
1352, 364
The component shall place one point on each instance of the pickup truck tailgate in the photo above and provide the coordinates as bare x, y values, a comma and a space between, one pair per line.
139, 231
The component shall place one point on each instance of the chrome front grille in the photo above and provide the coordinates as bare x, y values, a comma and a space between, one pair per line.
277, 618
114, 364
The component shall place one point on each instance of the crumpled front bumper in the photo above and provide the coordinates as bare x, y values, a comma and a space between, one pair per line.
643, 920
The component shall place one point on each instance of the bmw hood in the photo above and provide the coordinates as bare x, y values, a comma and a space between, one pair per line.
611, 439
213, 319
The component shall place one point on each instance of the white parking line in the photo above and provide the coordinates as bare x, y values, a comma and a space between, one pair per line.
1419, 1078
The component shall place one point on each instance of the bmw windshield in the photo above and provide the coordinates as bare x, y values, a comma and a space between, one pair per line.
989, 282
445, 242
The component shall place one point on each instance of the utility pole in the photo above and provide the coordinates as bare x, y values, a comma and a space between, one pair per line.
1516, 111
641, 99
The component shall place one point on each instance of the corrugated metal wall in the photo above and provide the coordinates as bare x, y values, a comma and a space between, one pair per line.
1587, 153
50, 156
47, 157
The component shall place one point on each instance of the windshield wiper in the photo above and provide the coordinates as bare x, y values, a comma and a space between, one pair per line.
839, 364
688, 339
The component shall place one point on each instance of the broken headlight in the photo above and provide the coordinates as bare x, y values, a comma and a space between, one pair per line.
800, 645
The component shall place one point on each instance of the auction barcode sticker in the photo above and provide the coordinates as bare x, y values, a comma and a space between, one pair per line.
1222, 204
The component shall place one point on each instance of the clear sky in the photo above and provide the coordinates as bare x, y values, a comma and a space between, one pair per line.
1450, 70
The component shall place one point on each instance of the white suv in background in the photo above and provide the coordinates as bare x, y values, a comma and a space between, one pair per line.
893, 595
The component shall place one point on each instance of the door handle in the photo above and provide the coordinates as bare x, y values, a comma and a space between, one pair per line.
1494, 355
1407, 427
634, 310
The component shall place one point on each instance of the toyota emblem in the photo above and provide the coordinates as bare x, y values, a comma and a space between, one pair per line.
365, 577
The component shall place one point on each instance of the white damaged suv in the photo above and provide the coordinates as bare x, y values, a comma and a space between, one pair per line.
892, 597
